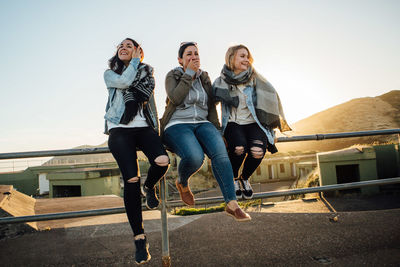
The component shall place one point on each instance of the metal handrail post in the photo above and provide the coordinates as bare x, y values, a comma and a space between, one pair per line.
166, 259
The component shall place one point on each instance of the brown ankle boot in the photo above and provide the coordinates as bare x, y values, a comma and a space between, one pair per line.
185, 193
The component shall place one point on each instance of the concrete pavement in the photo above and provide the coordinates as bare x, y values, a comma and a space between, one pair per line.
296, 233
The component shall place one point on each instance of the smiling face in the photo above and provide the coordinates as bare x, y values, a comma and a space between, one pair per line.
125, 50
191, 53
241, 61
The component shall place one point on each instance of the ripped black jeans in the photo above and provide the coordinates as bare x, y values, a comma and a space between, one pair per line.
123, 143
246, 136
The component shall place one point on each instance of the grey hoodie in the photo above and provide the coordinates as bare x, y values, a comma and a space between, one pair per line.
194, 107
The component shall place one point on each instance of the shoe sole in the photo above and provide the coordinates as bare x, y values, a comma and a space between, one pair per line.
143, 262
236, 219
148, 259
246, 197
155, 208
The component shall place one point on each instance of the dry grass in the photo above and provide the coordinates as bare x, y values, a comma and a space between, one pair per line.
361, 114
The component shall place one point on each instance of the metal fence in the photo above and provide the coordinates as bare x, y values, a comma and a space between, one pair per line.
210, 200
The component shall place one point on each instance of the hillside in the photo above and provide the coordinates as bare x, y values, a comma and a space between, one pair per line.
360, 114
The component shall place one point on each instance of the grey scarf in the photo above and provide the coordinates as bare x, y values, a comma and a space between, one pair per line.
268, 106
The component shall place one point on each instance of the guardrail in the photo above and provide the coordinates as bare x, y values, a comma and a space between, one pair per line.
164, 204
199, 201
99, 150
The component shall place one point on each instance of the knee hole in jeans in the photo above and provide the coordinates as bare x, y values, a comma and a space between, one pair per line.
257, 152
239, 150
133, 180
162, 160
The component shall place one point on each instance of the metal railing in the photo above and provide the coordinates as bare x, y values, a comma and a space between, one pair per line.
199, 201
164, 204
99, 150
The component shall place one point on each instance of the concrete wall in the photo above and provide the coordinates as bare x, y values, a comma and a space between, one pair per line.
279, 170
25, 181
92, 182
387, 161
364, 158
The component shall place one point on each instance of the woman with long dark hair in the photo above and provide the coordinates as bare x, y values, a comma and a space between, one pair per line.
131, 122
188, 128
251, 110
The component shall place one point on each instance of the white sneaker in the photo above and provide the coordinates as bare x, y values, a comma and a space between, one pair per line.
247, 189
238, 189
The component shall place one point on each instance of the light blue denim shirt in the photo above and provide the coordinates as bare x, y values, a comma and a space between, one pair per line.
115, 83
251, 99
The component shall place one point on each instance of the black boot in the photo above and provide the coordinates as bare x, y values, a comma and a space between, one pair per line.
142, 254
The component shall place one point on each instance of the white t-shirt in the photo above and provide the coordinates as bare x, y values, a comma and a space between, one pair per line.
138, 121
241, 115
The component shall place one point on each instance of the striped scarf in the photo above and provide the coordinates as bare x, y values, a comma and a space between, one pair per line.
268, 106
138, 92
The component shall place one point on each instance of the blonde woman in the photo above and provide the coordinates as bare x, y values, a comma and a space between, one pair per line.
251, 110
188, 128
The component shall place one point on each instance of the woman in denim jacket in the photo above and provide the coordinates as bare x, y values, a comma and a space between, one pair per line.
131, 122
188, 128
251, 109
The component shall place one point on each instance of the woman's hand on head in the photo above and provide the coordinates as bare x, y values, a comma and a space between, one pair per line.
136, 52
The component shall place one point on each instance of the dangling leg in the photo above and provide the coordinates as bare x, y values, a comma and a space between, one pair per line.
181, 139
236, 141
214, 147
150, 143
257, 142
122, 146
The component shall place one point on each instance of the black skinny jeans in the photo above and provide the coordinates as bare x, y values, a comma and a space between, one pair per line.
247, 136
123, 143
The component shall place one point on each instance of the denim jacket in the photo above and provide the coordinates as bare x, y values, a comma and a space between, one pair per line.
251, 100
115, 106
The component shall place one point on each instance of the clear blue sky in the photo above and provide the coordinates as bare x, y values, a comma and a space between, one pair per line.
316, 53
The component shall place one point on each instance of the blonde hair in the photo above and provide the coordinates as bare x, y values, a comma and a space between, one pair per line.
230, 55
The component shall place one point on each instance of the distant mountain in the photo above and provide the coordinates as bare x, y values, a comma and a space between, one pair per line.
360, 114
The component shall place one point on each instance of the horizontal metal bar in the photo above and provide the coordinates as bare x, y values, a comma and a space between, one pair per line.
98, 150
200, 201
50, 153
61, 215
64, 215
298, 191
319, 137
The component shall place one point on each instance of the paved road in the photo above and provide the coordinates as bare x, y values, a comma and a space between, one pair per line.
272, 238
